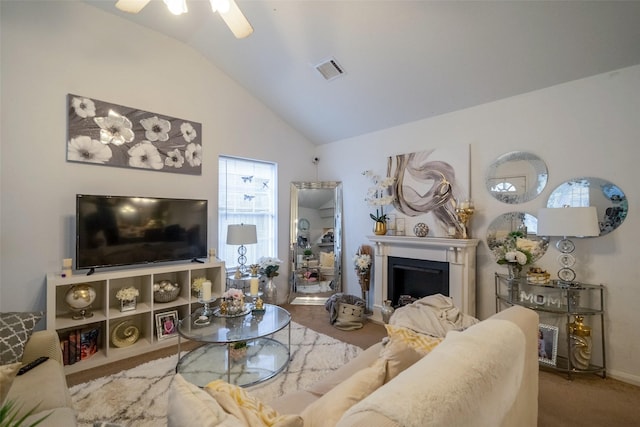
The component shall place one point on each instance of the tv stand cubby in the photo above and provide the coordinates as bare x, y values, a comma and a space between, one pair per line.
106, 314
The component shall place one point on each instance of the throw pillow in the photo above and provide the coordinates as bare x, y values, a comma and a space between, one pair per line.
327, 410
248, 409
7, 374
15, 330
189, 405
405, 347
421, 343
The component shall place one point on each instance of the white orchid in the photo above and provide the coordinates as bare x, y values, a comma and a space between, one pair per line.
379, 195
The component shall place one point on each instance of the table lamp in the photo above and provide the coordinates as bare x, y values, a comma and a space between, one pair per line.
242, 234
568, 222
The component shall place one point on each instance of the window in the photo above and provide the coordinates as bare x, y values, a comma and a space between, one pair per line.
247, 195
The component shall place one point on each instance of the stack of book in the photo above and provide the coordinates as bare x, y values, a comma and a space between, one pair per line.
79, 344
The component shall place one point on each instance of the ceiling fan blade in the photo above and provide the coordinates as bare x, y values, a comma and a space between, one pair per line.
131, 6
236, 21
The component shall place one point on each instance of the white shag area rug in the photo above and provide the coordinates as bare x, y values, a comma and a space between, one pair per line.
138, 396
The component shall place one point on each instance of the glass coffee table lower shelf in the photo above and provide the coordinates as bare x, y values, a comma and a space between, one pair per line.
265, 358
259, 334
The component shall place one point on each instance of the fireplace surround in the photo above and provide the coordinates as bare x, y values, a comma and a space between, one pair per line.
459, 255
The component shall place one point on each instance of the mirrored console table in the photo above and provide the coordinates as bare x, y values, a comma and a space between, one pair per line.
571, 321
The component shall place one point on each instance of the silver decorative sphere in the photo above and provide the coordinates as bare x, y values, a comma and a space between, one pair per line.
79, 299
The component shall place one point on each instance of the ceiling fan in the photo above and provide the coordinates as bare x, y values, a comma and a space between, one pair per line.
228, 9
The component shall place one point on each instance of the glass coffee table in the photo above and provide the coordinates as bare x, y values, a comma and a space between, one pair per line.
220, 357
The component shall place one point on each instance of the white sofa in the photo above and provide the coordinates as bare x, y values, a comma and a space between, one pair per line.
486, 375
45, 385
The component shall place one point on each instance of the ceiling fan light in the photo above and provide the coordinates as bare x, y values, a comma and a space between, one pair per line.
236, 21
221, 6
177, 7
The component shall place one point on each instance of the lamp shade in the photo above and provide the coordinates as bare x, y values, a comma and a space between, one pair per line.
568, 222
241, 234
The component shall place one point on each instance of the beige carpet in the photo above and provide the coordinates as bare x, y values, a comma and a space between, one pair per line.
138, 396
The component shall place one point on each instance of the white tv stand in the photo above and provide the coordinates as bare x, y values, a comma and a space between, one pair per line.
106, 308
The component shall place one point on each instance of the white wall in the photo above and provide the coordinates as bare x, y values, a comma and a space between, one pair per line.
589, 127
52, 48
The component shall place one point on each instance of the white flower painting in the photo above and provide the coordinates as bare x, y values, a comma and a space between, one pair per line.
113, 135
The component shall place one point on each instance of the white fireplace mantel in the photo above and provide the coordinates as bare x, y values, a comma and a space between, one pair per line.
459, 253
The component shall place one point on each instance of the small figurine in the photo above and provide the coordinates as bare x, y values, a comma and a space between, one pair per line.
259, 303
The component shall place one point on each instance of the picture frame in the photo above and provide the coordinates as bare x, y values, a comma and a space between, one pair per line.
547, 344
167, 324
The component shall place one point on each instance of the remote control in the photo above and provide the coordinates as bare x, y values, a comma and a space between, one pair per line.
30, 366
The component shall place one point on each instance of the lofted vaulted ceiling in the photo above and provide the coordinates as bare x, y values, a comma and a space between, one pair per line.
402, 60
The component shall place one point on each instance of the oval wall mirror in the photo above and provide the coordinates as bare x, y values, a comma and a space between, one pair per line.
516, 177
500, 228
608, 198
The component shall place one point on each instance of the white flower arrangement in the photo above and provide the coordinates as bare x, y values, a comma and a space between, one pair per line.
516, 250
269, 266
233, 293
362, 262
379, 195
127, 294
196, 286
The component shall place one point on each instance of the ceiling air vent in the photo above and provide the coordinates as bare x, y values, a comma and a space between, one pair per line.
330, 69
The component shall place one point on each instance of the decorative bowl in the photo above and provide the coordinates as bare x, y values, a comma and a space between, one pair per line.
165, 291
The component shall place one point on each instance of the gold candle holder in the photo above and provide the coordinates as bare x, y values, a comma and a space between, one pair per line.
465, 211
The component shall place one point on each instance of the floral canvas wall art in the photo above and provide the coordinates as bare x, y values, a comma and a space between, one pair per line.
108, 134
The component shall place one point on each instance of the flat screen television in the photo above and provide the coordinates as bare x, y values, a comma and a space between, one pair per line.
122, 230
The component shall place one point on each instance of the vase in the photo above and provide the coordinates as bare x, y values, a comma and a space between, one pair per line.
386, 311
128, 305
380, 228
270, 292
514, 270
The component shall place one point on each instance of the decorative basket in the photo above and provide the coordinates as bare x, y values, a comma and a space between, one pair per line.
350, 317
165, 292
166, 296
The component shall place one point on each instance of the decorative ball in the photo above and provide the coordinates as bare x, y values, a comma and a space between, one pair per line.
80, 297
421, 229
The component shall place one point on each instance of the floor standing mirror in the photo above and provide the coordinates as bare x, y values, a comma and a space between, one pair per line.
316, 241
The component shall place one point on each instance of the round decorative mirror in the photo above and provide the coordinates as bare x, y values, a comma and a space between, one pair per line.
516, 177
608, 198
499, 230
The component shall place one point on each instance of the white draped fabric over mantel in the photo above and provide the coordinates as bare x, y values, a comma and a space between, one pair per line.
459, 253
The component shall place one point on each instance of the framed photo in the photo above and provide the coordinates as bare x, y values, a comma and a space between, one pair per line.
547, 344
167, 324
